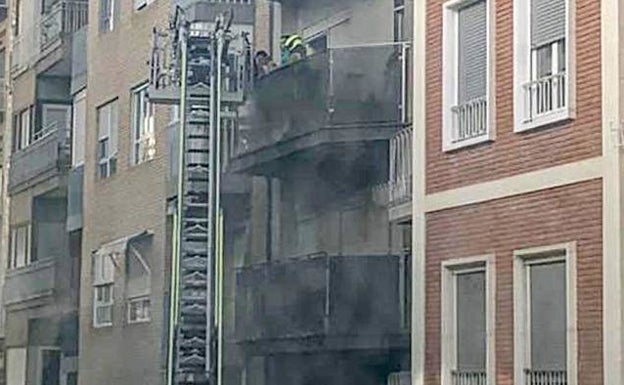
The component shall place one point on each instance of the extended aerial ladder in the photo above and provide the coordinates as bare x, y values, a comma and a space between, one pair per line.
190, 63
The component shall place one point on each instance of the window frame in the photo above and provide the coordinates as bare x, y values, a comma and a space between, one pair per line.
112, 132
23, 135
142, 128
12, 260
524, 68
524, 258
450, 73
103, 277
448, 325
139, 299
97, 304
39, 372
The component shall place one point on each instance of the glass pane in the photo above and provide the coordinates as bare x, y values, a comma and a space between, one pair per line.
103, 149
51, 365
103, 119
548, 318
471, 321
544, 61
561, 51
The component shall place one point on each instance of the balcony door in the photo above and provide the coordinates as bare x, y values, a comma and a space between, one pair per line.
54, 117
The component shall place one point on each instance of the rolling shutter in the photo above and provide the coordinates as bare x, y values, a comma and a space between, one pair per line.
547, 21
472, 51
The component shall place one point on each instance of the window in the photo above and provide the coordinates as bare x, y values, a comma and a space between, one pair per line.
107, 15
545, 316
466, 74
138, 280
22, 129
20, 247
103, 305
103, 281
78, 129
544, 88
467, 321
107, 139
143, 138
17, 21
49, 366
138, 310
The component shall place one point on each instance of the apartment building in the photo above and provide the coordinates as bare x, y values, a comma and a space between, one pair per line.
516, 194
319, 295
316, 284
40, 250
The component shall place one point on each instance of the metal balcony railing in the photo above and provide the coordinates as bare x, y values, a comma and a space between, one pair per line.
60, 19
400, 181
545, 377
461, 377
545, 95
469, 120
63, 17
318, 295
360, 86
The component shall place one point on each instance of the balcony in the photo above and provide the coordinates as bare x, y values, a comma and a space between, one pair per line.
545, 96
41, 281
58, 22
341, 96
46, 156
320, 302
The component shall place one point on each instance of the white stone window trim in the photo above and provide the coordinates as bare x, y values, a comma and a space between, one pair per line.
450, 73
450, 268
523, 58
522, 338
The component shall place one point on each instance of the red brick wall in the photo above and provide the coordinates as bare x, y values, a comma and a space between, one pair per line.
565, 214
513, 153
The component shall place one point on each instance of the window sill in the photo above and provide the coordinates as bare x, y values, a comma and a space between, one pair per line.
449, 147
544, 120
103, 326
139, 322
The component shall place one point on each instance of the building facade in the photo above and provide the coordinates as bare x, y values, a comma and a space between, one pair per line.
41, 254
316, 285
321, 288
516, 182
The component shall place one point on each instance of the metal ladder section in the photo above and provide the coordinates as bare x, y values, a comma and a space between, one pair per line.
195, 342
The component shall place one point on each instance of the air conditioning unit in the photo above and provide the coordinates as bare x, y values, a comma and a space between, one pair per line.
400, 378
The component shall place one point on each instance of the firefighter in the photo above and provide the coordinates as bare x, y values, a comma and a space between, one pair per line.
292, 48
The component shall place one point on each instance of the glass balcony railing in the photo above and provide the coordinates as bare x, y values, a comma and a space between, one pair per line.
362, 86
318, 296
